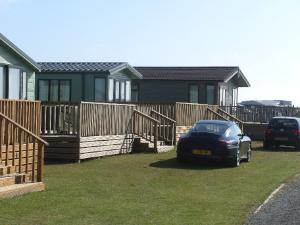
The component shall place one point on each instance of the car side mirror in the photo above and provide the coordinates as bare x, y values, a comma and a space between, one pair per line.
241, 135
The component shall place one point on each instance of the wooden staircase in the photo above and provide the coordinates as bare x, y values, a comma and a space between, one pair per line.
142, 145
150, 133
21, 159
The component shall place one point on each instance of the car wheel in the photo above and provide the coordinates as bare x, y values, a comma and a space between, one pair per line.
235, 161
248, 155
267, 145
298, 146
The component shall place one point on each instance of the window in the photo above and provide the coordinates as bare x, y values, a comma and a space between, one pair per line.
54, 90
44, 90
100, 89
222, 96
117, 91
193, 93
2, 82
234, 97
23, 87
111, 84
122, 91
14, 83
128, 91
210, 94
134, 92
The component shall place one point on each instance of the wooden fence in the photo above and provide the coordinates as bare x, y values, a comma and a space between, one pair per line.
25, 113
261, 114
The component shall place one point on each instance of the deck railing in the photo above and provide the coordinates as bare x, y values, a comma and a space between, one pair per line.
21, 148
25, 113
60, 118
166, 127
98, 119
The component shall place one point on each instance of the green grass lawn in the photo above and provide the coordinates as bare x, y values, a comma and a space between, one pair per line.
151, 189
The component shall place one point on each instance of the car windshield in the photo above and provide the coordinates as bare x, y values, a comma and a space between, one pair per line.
283, 123
213, 128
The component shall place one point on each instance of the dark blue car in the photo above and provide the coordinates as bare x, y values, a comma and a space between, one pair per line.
217, 140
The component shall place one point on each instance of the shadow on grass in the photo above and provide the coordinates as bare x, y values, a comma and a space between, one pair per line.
193, 164
278, 149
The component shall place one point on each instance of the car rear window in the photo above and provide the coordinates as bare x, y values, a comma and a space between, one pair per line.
209, 128
283, 123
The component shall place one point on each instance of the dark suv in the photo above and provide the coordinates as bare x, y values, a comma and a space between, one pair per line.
283, 131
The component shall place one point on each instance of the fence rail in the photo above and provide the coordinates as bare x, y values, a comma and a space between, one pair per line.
261, 114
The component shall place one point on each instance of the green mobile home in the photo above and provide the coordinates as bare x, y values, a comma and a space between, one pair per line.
17, 72
85, 81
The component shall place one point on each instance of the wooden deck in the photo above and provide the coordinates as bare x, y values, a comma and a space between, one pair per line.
89, 130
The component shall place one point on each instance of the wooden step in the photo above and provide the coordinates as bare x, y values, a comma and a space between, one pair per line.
11, 179
165, 148
6, 170
20, 189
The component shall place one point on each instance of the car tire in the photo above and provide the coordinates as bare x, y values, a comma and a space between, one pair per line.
267, 145
235, 161
298, 146
248, 159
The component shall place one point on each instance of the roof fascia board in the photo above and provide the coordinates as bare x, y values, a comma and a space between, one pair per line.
21, 54
126, 66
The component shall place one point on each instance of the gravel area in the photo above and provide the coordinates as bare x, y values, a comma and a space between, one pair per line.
282, 209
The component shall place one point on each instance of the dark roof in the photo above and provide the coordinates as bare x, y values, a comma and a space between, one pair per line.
79, 66
92, 67
192, 73
19, 52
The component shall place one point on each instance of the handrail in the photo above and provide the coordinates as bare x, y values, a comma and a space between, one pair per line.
24, 129
145, 115
148, 131
167, 127
229, 115
161, 115
217, 114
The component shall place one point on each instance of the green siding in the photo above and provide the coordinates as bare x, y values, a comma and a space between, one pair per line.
8, 57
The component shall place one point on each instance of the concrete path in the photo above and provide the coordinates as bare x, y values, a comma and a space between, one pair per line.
281, 209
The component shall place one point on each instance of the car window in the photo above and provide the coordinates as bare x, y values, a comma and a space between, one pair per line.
283, 123
209, 128
233, 131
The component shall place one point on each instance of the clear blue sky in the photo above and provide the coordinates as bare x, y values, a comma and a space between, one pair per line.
260, 36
